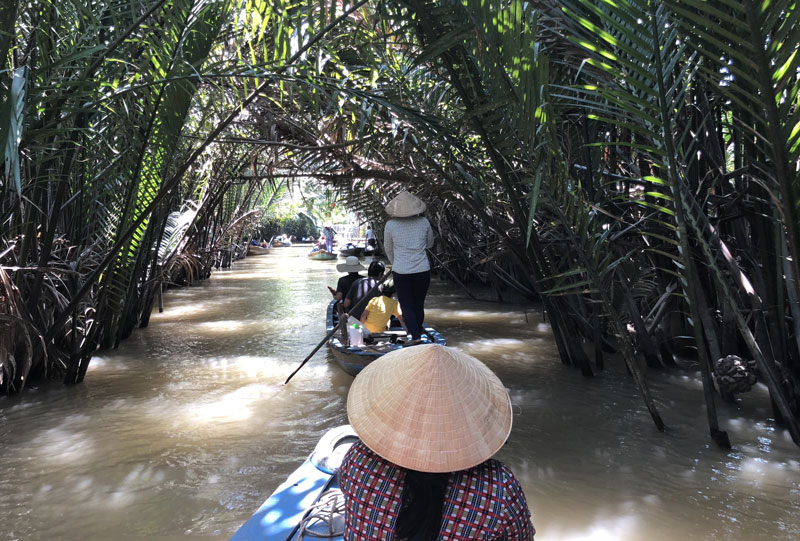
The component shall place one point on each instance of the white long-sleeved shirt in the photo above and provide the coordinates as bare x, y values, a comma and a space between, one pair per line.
405, 241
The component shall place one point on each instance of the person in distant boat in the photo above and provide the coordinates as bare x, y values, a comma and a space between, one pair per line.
379, 311
429, 420
352, 267
370, 236
363, 288
329, 233
406, 238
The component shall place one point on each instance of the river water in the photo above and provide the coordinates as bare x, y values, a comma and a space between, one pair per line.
184, 430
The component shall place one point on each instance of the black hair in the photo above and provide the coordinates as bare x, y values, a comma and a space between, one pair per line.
388, 289
375, 269
420, 516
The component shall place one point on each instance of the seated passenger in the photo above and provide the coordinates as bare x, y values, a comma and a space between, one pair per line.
380, 310
429, 419
363, 288
351, 266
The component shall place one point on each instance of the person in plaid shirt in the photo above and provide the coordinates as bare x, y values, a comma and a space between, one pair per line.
429, 419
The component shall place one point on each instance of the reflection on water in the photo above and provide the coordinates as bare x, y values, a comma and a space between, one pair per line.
185, 429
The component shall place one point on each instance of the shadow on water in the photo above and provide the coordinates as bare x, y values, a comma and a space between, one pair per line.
185, 429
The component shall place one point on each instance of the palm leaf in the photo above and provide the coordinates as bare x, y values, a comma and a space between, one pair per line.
749, 50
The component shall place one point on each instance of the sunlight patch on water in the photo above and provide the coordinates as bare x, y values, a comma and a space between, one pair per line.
251, 366
231, 325
256, 275
177, 311
100, 366
604, 529
64, 444
474, 316
686, 381
181, 386
202, 328
757, 471
232, 407
98, 362
496, 346
142, 477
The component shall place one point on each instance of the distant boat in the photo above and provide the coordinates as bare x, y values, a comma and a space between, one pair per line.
252, 249
352, 359
288, 511
281, 244
351, 249
321, 255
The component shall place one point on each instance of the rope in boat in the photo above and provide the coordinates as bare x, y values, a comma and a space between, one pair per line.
325, 518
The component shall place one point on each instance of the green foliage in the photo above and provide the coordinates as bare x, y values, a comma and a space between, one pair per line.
299, 226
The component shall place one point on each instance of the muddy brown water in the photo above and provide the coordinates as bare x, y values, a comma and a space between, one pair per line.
184, 430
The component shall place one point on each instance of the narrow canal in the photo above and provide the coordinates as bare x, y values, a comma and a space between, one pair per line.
184, 430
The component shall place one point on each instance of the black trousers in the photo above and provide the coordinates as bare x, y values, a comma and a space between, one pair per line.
411, 292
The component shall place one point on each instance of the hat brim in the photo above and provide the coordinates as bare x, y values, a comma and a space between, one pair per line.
344, 267
405, 205
430, 408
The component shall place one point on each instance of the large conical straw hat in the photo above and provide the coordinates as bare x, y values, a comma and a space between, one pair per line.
404, 205
430, 408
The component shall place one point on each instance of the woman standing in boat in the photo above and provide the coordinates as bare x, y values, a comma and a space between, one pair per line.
370, 236
406, 237
329, 232
429, 419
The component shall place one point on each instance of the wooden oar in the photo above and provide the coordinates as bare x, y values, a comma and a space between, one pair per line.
356, 306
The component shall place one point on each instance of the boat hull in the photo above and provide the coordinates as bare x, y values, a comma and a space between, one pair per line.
256, 250
321, 255
349, 250
353, 359
280, 517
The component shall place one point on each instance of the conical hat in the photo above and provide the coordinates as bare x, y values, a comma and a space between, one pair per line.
404, 205
430, 408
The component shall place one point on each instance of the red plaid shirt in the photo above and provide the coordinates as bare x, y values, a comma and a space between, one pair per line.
485, 502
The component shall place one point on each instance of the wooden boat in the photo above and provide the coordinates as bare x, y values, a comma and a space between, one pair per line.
321, 255
281, 244
372, 251
252, 249
307, 505
352, 359
351, 249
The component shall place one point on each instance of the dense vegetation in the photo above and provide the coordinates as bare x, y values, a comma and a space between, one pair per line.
632, 164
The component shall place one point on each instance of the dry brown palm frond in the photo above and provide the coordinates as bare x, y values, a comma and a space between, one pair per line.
16, 328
